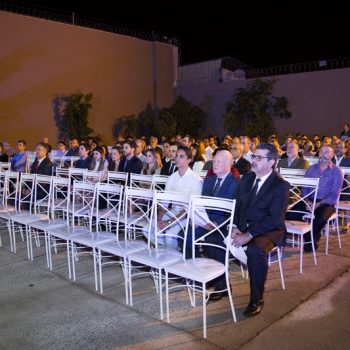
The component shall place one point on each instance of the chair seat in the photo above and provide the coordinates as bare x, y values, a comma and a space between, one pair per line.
92, 239
122, 248
27, 219
201, 270
67, 232
11, 214
344, 205
157, 258
297, 227
49, 224
6, 209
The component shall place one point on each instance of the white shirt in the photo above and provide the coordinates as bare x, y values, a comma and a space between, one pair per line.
262, 180
190, 183
248, 156
338, 160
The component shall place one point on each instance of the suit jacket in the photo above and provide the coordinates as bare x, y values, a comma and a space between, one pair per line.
45, 167
243, 166
166, 169
298, 163
345, 162
134, 165
265, 214
226, 190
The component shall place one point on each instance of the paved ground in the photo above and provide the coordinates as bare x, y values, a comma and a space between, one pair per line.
42, 309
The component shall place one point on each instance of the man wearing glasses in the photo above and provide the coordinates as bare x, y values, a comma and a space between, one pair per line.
240, 163
261, 204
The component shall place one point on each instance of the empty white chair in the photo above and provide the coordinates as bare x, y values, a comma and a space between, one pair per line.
203, 270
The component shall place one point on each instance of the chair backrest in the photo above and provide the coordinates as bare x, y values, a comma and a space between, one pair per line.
345, 190
92, 176
140, 181
62, 172
173, 206
111, 195
60, 198
76, 174
10, 190
26, 191
138, 206
201, 207
30, 160
312, 160
69, 160
83, 201
159, 182
5, 166
302, 196
117, 177
292, 172
42, 194
203, 174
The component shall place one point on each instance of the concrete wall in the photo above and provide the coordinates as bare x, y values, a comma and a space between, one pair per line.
40, 58
319, 101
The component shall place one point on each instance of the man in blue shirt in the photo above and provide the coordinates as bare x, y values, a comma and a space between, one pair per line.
331, 180
19, 160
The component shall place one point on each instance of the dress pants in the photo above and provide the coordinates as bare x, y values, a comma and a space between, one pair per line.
257, 253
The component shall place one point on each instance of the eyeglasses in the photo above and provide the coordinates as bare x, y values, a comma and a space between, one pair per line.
259, 158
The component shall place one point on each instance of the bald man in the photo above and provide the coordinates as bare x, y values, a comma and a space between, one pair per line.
222, 185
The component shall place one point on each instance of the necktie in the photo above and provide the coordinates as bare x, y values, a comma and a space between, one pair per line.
255, 187
172, 167
216, 187
125, 164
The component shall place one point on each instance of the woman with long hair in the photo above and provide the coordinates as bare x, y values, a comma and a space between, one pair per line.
197, 162
115, 157
153, 163
99, 163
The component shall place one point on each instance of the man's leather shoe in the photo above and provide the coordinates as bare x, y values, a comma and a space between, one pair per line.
216, 295
253, 308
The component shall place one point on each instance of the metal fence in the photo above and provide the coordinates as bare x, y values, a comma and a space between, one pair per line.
72, 18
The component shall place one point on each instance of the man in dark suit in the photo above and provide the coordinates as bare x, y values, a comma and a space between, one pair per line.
293, 160
340, 157
169, 167
222, 185
130, 163
241, 164
42, 164
261, 203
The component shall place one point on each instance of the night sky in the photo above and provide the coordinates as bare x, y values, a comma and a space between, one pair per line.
259, 35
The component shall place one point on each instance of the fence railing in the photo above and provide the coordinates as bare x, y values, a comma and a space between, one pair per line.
78, 20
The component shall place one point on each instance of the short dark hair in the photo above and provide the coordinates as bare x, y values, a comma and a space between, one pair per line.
22, 141
271, 151
44, 145
187, 151
86, 146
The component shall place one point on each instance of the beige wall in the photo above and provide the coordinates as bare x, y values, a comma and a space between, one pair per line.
319, 101
40, 58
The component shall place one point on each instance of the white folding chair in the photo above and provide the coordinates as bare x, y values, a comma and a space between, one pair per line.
203, 270
117, 177
60, 197
301, 207
174, 206
81, 213
111, 196
5, 166
140, 181
125, 246
203, 174
292, 172
92, 176
159, 182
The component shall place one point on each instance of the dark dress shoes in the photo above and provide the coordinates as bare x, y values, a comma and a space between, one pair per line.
253, 308
216, 295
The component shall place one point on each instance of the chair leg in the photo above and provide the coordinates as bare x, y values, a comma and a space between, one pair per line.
160, 287
327, 236
230, 298
167, 296
125, 270
204, 311
95, 268
338, 231
301, 253
279, 254
130, 282
99, 256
